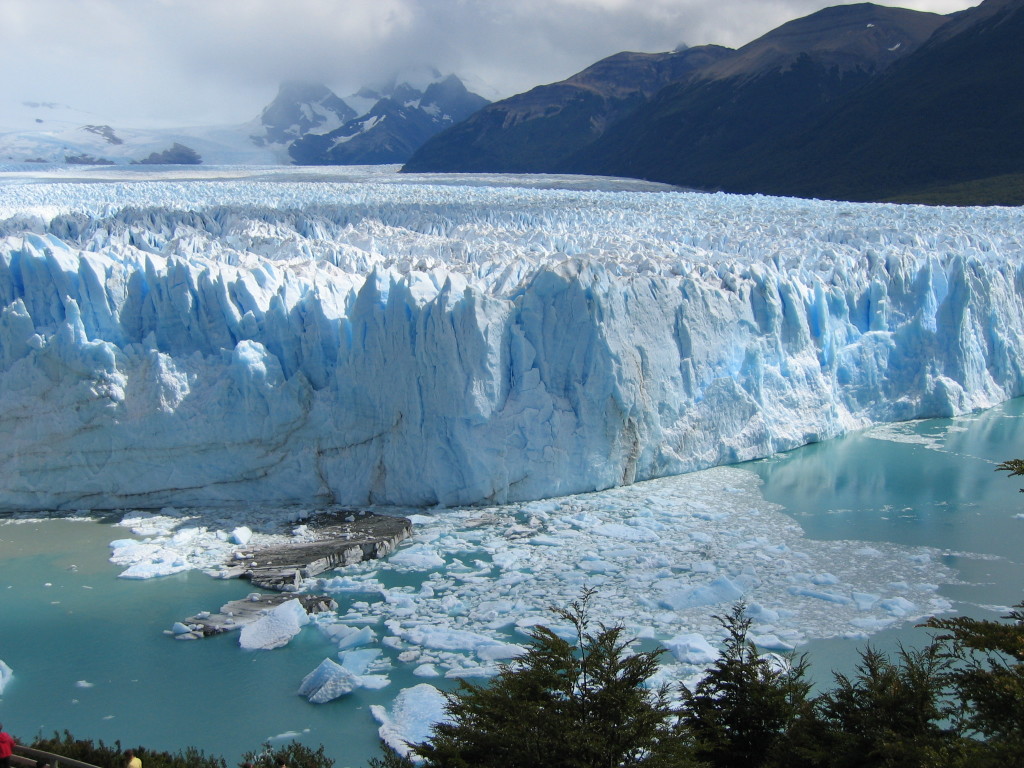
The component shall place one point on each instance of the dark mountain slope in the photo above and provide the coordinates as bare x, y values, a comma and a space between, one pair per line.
702, 133
536, 130
950, 113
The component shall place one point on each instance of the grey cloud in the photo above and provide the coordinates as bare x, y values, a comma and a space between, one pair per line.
221, 60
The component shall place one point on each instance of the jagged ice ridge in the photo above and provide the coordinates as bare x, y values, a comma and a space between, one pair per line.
412, 341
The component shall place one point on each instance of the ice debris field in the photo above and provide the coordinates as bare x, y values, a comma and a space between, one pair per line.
382, 339
277, 341
462, 596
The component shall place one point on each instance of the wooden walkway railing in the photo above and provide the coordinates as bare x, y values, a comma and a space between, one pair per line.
26, 757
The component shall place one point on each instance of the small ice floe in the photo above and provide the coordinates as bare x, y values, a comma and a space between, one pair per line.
692, 648
820, 594
627, 532
347, 636
327, 682
358, 662
823, 579
275, 628
241, 535
288, 735
374, 682
771, 642
5, 675
865, 600
680, 594
418, 557
83, 684
499, 651
411, 718
898, 606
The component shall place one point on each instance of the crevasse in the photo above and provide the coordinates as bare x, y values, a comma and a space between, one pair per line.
422, 344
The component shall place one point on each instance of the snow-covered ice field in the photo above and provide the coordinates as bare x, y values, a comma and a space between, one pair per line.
358, 336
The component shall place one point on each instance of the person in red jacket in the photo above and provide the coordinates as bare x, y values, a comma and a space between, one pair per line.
6, 747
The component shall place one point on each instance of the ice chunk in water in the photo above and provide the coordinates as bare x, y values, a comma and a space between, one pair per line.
418, 557
5, 675
241, 535
771, 642
327, 682
411, 717
349, 637
358, 662
499, 651
692, 648
275, 628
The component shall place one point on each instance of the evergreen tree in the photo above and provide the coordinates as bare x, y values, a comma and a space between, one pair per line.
294, 754
988, 681
887, 715
1014, 466
112, 755
742, 713
572, 704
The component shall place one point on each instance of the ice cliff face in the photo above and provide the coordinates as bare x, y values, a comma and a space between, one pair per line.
401, 342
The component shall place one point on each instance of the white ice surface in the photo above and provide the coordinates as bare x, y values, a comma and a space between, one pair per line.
309, 336
692, 648
275, 628
327, 682
717, 539
5, 675
410, 718
470, 606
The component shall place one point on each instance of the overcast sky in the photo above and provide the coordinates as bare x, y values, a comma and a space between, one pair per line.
178, 62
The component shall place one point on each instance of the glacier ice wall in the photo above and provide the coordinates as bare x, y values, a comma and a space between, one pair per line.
218, 342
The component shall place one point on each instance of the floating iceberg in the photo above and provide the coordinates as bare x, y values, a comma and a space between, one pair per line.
5, 675
692, 648
275, 628
401, 342
411, 718
327, 682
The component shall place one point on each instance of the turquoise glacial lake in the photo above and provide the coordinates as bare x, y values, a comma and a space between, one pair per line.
90, 655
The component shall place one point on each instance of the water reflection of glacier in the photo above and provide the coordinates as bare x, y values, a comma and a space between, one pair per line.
382, 339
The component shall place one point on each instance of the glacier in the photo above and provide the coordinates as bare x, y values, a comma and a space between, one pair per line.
231, 336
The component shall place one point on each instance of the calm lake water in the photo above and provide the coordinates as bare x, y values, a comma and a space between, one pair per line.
89, 653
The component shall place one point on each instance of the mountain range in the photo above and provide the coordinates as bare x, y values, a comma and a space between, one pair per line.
306, 123
859, 102
315, 127
854, 102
